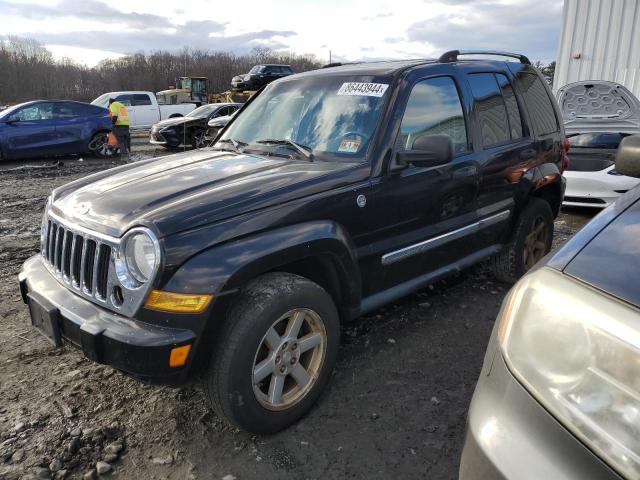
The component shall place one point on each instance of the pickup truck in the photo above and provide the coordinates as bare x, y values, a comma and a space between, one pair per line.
330, 194
143, 107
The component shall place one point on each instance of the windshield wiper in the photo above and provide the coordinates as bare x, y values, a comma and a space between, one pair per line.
303, 149
236, 144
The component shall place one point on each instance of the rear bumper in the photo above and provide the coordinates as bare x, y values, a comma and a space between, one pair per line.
510, 436
136, 348
596, 189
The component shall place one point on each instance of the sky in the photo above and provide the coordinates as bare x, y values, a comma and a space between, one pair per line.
88, 31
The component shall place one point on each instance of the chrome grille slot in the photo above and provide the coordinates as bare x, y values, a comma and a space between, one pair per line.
85, 262
89, 261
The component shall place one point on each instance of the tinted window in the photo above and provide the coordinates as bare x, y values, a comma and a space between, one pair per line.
39, 111
538, 103
141, 99
124, 99
433, 108
597, 140
287, 69
69, 110
490, 109
513, 111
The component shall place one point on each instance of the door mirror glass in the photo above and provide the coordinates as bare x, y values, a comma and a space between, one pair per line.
628, 156
428, 151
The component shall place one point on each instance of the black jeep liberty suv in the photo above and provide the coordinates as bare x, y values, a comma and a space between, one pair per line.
331, 193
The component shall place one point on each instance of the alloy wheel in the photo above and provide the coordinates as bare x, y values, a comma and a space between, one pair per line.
289, 359
99, 146
535, 243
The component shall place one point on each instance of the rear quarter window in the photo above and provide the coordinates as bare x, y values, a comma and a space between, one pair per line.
538, 103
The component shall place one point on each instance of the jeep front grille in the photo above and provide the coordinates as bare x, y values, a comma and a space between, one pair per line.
81, 262
84, 262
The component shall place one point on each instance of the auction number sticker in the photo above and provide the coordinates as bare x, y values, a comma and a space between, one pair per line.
351, 145
363, 89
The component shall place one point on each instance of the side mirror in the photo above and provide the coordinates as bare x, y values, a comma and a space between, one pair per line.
428, 151
628, 156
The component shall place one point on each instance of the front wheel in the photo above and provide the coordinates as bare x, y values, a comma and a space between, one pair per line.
531, 242
198, 139
276, 353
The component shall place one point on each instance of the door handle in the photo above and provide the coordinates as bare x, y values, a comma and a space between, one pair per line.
528, 154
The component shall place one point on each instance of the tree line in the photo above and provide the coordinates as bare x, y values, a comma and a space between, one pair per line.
28, 71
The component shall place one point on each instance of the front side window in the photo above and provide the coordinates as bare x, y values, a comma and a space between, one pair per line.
39, 111
333, 117
433, 108
124, 99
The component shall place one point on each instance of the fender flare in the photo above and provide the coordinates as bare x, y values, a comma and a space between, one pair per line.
224, 268
536, 178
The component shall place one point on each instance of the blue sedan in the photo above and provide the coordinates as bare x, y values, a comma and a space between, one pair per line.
47, 128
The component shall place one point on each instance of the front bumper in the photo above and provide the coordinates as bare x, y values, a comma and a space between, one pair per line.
136, 348
596, 189
511, 436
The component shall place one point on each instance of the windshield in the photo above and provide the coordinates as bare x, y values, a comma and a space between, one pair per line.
202, 112
102, 100
9, 110
334, 117
257, 69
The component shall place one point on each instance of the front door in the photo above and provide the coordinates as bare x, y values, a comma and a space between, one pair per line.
32, 131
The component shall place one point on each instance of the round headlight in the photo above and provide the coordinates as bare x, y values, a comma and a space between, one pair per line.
140, 256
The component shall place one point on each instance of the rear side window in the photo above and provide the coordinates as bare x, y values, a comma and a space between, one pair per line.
433, 108
513, 111
141, 99
538, 103
69, 110
597, 140
287, 69
490, 109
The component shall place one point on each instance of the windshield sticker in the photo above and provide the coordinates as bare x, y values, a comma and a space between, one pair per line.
363, 89
349, 145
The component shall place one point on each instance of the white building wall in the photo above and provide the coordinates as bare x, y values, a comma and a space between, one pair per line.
600, 40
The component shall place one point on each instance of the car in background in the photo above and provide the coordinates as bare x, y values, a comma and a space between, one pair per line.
143, 107
48, 128
259, 76
559, 391
191, 129
597, 116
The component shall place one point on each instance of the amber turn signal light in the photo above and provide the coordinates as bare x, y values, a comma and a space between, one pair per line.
178, 302
179, 355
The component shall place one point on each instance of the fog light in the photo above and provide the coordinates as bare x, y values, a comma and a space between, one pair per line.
178, 302
179, 355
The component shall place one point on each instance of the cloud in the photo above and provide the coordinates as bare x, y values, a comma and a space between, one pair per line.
530, 27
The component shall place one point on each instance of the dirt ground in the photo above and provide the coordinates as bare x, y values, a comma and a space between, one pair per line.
396, 406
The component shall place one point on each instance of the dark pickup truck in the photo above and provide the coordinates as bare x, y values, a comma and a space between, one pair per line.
332, 193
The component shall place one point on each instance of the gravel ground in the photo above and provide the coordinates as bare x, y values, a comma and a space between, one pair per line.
396, 406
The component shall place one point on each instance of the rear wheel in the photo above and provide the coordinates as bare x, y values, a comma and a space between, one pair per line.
531, 242
276, 353
99, 146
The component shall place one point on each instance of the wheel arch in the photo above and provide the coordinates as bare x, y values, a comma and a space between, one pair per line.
543, 181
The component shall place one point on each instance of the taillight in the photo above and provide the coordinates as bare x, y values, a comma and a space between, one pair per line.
566, 145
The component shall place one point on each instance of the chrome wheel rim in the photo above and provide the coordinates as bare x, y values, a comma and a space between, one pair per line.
289, 359
535, 243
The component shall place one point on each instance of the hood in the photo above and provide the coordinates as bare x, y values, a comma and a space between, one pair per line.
184, 191
599, 106
172, 122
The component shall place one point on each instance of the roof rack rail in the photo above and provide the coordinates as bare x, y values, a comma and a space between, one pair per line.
452, 55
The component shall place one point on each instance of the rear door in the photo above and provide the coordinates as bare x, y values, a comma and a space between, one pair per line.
33, 133
71, 125
147, 112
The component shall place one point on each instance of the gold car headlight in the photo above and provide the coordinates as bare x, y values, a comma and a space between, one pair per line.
577, 351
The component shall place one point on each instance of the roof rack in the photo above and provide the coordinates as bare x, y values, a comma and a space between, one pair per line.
452, 55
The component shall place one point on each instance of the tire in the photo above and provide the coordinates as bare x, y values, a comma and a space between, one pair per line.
198, 139
531, 242
99, 146
271, 304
